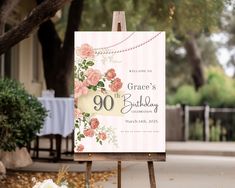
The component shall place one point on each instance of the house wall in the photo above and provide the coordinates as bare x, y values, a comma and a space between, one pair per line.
26, 56
26, 67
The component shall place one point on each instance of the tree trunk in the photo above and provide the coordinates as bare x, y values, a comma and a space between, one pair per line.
195, 60
58, 58
50, 43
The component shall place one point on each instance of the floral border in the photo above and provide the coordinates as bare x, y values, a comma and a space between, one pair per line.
88, 79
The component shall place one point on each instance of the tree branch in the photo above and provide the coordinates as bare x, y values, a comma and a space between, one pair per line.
38, 15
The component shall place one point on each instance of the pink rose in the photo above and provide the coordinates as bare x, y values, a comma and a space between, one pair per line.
93, 76
102, 136
80, 88
85, 51
77, 113
79, 148
115, 85
89, 132
110, 74
94, 123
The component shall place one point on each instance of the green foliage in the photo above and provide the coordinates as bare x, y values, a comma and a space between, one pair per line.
195, 130
173, 16
219, 91
186, 95
215, 130
21, 115
197, 16
208, 51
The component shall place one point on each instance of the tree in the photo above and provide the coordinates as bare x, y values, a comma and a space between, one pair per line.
184, 21
229, 28
194, 56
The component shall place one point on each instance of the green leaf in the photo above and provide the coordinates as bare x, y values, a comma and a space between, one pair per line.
90, 63
82, 136
94, 88
84, 61
100, 84
87, 114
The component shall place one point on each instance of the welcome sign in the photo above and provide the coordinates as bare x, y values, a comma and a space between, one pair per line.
119, 92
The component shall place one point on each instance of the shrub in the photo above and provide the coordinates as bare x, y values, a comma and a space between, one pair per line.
21, 115
219, 91
187, 95
196, 130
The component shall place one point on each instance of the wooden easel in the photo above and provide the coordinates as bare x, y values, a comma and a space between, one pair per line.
119, 24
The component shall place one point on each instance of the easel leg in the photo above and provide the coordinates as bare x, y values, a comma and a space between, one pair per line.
88, 174
151, 174
119, 175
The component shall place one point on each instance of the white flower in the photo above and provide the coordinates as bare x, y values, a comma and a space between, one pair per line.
37, 185
63, 186
48, 184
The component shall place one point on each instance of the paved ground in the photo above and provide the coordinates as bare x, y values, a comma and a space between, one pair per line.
188, 165
181, 172
201, 148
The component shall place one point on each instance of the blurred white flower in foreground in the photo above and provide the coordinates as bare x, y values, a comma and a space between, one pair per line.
48, 184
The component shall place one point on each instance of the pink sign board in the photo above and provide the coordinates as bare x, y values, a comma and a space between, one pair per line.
119, 92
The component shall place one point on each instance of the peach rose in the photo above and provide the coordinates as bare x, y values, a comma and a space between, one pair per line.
110, 74
93, 77
85, 51
115, 85
89, 132
79, 148
102, 136
75, 101
80, 88
77, 113
94, 123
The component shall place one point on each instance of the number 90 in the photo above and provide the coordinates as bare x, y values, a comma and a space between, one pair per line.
107, 102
